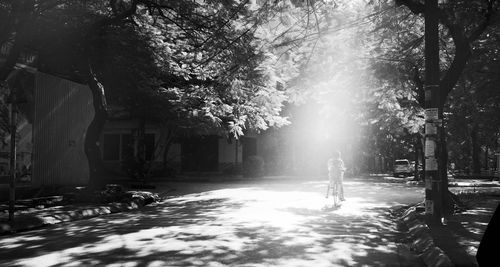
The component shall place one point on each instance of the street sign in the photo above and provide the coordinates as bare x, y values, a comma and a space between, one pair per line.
431, 164
430, 128
430, 148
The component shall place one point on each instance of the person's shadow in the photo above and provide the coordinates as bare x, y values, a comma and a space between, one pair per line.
331, 207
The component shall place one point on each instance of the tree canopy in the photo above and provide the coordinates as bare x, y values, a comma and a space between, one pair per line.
200, 63
232, 65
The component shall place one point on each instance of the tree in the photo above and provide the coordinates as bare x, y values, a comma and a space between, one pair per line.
397, 98
82, 33
234, 89
473, 124
198, 62
464, 23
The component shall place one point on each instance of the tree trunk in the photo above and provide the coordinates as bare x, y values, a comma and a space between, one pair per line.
422, 156
476, 164
97, 177
432, 14
447, 196
168, 143
418, 149
486, 163
165, 156
139, 141
140, 150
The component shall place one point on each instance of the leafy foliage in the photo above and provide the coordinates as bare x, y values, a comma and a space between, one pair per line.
184, 64
397, 50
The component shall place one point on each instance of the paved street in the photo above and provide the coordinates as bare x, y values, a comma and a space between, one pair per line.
271, 222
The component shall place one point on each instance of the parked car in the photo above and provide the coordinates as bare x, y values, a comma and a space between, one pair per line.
402, 167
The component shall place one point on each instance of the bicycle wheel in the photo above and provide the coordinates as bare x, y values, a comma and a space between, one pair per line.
335, 194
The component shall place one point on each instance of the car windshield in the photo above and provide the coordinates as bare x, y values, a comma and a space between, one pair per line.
401, 162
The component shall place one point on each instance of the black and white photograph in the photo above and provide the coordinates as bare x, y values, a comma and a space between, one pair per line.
253, 133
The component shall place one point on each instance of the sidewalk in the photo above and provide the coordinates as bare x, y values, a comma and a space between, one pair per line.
456, 242
38, 216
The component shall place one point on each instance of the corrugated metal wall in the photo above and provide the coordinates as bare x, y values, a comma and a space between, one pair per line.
63, 111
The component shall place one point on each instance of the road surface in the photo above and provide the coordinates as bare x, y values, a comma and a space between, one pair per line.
269, 222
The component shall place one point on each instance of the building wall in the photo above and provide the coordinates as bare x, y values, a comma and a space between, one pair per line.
230, 152
185, 155
121, 128
174, 156
115, 141
63, 112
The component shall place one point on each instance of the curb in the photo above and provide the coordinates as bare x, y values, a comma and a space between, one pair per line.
421, 241
25, 222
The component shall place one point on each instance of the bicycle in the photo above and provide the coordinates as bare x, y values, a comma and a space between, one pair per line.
335, 193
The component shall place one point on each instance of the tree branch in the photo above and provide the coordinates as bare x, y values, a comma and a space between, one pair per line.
240, 6
46, 5
461, 41
414, 5
420, 86
490, 12
462, 47
462, 54
118, 17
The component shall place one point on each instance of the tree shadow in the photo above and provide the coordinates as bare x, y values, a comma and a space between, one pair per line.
255, 225
460, 238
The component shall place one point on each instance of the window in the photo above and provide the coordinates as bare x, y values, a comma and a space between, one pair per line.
118, 147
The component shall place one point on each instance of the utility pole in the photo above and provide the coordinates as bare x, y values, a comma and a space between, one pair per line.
433, 118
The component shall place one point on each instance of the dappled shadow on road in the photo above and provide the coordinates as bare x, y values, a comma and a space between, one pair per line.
261, 225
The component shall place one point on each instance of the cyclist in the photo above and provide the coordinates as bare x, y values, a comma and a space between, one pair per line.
336, 172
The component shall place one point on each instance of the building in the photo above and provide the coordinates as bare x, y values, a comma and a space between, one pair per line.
188, 154
54, 114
